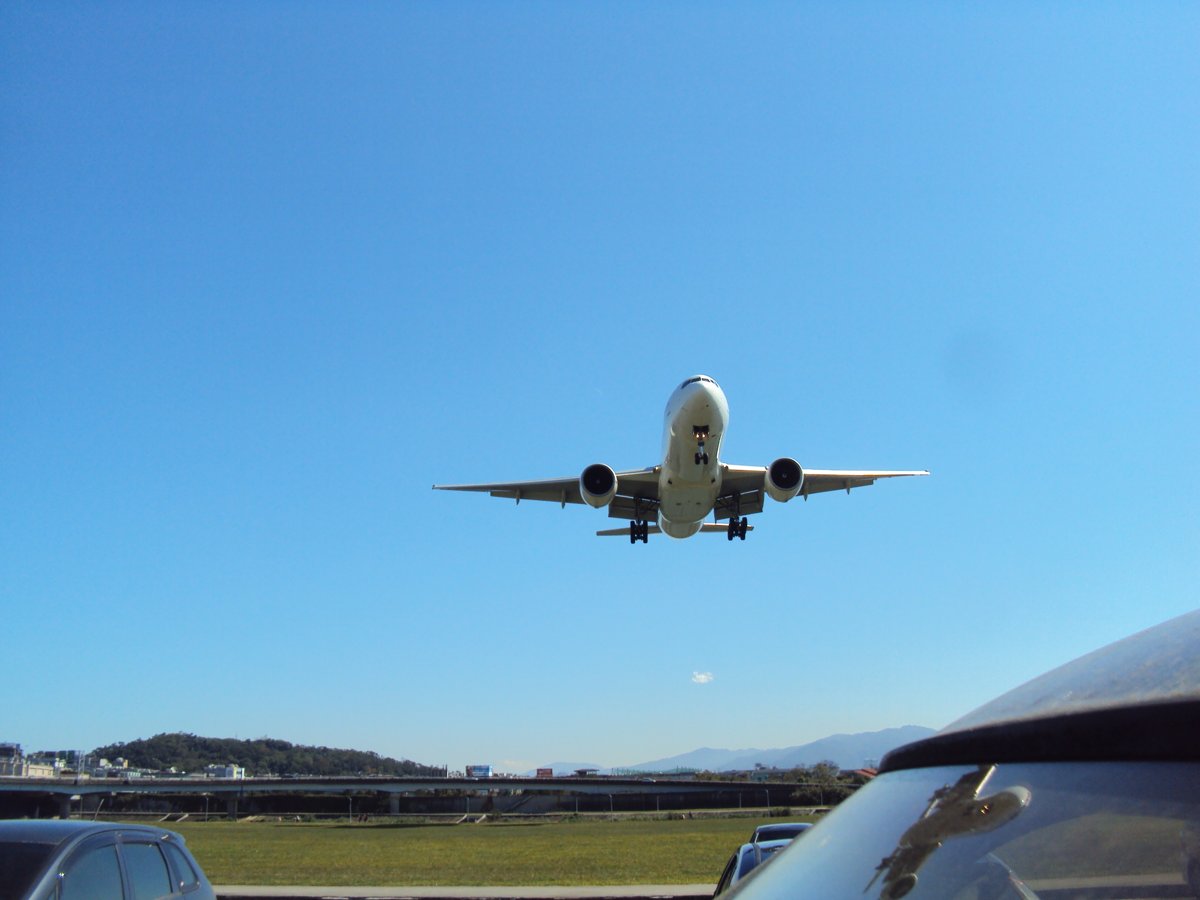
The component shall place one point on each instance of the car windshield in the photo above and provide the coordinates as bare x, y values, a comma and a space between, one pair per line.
1006, 832
20, 863
776, 832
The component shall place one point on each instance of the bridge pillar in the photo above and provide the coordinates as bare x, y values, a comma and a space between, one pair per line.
231, 807
64, 806
393, 804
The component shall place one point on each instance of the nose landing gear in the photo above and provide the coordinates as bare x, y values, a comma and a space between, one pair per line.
700, 433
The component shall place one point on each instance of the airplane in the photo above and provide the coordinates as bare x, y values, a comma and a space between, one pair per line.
690, 482
955, 811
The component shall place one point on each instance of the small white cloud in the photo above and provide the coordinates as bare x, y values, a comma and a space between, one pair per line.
702, 677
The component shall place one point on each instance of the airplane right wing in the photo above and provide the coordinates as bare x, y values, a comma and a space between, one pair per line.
817, 481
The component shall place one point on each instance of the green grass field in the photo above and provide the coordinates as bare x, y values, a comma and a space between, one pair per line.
573, 852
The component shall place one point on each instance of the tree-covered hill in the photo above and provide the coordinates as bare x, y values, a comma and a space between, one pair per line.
265, 756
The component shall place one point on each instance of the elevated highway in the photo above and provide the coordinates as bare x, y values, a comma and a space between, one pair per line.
61, 791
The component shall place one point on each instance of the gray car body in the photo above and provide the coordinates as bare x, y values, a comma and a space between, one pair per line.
68, 841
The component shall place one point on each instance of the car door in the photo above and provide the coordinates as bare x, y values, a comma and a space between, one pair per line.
92, 872
148, 875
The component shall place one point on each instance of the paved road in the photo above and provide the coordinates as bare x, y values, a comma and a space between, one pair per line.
613, 892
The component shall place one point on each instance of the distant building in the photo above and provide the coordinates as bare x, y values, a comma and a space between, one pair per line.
14, 764
230, 771
10, 758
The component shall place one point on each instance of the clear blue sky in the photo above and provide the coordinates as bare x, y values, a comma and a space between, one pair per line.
267, 272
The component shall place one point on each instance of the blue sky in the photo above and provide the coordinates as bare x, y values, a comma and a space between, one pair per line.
268, 272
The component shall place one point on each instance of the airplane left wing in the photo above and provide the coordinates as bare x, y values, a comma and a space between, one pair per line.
639, 486
741, 480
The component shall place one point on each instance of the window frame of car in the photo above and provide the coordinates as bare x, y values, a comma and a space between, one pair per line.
726, 879
183, 881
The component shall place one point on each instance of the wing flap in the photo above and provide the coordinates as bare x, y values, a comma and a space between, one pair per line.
746, 503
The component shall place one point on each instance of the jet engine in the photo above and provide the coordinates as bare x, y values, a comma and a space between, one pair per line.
598, 485
784, 479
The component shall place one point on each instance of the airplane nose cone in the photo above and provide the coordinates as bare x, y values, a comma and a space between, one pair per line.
704, 397
698, 401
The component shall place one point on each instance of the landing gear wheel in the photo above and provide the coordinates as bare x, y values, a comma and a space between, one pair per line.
742, 526
639, 531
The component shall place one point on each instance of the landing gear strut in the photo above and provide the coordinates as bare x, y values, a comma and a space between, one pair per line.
700, 433
737, 528
639, 530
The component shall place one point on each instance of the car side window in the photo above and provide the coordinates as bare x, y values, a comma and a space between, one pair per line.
149, 878
184, 870
92, 874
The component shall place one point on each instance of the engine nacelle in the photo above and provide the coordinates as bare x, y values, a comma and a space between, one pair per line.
784, 479
598, 484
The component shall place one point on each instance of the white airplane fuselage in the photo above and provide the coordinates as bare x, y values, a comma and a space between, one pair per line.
696, 418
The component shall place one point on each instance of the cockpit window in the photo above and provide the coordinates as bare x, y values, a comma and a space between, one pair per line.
696, 378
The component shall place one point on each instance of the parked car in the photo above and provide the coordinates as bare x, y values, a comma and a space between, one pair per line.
776, 831
1083, 783
746, 859
62, 859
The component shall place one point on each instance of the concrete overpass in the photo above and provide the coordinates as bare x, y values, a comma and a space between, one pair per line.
63, 790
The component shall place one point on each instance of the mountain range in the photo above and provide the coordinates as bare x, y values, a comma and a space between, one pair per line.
848, 751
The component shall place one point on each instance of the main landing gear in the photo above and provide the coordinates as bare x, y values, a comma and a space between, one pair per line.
639, 530
700, 433
737, 528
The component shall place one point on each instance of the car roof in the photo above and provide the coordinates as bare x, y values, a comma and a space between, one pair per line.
58, 831
1137, 698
